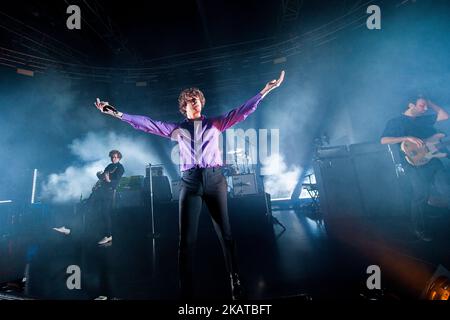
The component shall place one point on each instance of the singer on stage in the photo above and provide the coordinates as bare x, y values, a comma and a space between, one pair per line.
202, 178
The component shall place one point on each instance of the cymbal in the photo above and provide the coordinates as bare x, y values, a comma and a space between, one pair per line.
241, 184
237, 151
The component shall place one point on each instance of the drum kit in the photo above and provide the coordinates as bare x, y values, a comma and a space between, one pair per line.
241, 165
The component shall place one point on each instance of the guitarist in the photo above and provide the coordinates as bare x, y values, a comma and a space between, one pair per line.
103, 194
415, 125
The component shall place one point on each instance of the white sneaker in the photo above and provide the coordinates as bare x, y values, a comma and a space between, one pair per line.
101, 297
63, 230
105, 240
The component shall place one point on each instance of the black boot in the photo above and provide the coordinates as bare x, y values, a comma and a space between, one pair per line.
237, 292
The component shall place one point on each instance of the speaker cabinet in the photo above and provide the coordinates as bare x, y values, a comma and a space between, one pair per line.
161, 188
360, 180
244, 184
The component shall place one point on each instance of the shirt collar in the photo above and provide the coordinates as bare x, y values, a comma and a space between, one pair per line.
191, 120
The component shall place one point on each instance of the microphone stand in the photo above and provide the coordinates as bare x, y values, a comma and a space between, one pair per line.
153, 234
248, 156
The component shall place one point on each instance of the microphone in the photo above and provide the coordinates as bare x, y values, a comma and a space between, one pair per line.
108, 107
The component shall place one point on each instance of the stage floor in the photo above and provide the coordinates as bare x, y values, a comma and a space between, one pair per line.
304, 259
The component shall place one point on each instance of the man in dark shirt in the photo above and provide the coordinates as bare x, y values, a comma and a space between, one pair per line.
415, 125
102, 197
103, 194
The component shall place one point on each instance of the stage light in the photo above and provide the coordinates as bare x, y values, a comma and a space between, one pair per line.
25, 72
279, 60
439, 289
33, 188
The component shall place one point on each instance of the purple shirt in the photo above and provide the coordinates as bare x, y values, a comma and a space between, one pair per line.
198, 140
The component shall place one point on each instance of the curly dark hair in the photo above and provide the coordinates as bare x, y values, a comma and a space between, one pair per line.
413, 98
187, 94
113, 152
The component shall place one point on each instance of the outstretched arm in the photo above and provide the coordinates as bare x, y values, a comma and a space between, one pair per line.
272, 84
143, 123
241, 113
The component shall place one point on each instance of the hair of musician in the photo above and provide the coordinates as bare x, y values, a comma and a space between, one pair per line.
413, 98
420, 97
113, 152
187, 94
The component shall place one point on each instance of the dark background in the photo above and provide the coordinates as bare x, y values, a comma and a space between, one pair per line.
341, 78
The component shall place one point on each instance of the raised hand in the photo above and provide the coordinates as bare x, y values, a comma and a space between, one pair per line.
105, 107
273, 84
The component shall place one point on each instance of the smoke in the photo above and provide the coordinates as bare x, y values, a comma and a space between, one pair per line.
92, 152
72, 184
280, 179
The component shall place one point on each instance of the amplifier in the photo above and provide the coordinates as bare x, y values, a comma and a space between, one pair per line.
161, 188
363, 182
244, 184
129, 198
130, 183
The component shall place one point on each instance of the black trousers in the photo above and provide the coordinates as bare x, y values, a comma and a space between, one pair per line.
198, 185
102, 204
425, 180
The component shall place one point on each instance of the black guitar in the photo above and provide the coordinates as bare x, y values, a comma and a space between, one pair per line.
101, 183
